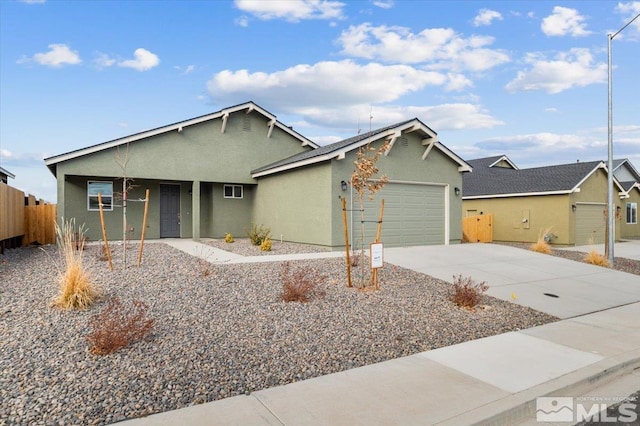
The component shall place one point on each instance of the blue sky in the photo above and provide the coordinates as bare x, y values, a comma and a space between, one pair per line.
526, 79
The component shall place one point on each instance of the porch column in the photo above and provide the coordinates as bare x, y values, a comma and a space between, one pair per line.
195, 210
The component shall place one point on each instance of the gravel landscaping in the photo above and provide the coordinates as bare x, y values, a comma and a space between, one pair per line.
220, 330
630, 266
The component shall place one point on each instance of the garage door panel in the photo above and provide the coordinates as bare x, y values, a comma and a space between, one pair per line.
413, 215
590, 224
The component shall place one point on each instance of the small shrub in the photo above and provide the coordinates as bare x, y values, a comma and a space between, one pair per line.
257, 234
466, 292
299, 284
75, 288
118, 326
595, 258
228, 238
266, 245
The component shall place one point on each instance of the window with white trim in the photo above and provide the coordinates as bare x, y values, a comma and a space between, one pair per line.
105, 189
632, 213
232, 191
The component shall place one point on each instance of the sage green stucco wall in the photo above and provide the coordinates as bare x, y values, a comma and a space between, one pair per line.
297, 205
198, 153
76, 201
403, 163
230, 215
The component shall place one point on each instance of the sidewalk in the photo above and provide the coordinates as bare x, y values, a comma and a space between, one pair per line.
494, 380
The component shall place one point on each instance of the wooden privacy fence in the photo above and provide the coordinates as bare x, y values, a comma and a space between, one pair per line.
478, 229
25, 220
39, 224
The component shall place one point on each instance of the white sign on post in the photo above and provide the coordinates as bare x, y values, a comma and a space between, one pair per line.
377, 255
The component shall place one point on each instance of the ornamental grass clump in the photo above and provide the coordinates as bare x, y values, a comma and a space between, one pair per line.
595, 258
542, 245
76, 289
118, 326
257, 234
298, 285
466, 292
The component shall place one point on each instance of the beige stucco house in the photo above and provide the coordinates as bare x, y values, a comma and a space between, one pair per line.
566, 201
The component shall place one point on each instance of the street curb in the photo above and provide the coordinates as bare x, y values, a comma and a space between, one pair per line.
521, 407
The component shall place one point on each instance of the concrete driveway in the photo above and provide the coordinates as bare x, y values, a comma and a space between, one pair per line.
557, 286
627, 249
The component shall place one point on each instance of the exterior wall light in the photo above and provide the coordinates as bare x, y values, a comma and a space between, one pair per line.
456, 190
343, 184
573, 207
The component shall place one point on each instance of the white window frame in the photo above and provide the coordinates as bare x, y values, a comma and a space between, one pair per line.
633, 209
237, 191
107, 199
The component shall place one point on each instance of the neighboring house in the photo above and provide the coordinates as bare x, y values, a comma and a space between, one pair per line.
629, 179
225, 171
568, 199
5, 175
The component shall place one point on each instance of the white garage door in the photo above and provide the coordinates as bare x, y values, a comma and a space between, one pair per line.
590, 224
414, 214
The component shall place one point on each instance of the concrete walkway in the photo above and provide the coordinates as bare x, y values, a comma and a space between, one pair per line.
492, 380
627, 249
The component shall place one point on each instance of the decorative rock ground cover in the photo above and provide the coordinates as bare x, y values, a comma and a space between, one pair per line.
220, 331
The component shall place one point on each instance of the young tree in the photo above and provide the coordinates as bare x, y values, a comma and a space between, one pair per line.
364, 183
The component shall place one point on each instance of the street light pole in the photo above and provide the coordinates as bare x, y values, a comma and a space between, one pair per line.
610, 206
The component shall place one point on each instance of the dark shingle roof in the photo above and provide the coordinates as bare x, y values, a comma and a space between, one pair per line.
487, 181
328, 149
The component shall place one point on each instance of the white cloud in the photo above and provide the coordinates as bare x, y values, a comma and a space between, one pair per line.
33, 1
552, 110
323, 83
102, 60
457, 82
575, 68
564, 21
57, 56
187, 70
383, 4
292, 10
630, 10
437, 48
242, 21
144, 60
486, 16
439, 117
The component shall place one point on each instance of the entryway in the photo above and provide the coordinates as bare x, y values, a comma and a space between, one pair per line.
169, 211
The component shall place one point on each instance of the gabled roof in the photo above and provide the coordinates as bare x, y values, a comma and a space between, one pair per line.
6, 172
483, 163
492, 182
617, 164
222, 114
628, 186
339, 149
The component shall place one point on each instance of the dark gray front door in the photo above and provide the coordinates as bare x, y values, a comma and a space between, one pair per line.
169, 211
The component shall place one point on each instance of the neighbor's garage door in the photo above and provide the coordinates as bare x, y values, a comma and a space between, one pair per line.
590, 224
414, 214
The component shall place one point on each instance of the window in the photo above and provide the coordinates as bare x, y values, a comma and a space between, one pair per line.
233, 191
105, 189
632, 213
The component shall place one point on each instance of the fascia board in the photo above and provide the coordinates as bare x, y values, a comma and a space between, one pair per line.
313, 160
524, 194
